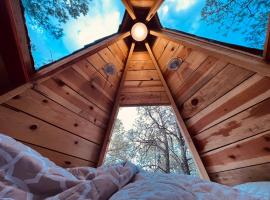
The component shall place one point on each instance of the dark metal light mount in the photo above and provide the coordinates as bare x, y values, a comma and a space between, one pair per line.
109, 69
174, 64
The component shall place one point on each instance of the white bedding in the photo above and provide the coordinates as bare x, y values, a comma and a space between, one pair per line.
156, 186
258, 189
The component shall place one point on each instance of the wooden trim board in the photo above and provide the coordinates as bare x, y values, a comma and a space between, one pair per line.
181, 123
242, 59
114, 110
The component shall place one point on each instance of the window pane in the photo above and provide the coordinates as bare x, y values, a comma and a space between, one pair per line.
58, 28
239, 22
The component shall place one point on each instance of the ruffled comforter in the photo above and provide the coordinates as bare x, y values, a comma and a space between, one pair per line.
25, 174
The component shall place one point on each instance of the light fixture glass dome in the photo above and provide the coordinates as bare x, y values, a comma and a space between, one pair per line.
139, 31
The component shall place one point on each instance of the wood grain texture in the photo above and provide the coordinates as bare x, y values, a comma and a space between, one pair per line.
143, 98
243, 175
236, 57
142, 75
180, 122
43, 108
239, 154
62, 160
115, 110
75, 81
245, 124
222, 83
250, 92
32, 130
73, 101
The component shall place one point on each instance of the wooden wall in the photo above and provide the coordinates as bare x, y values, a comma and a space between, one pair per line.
226, 109
142, 84
64, 116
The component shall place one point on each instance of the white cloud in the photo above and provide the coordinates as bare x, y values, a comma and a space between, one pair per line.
128, 116
184, 4
165, 10
102, 20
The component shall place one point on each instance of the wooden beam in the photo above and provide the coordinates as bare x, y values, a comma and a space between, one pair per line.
114, 110
154, 9
236, 57
266, 52
21, 37
7, 96
181, 123
129, 8
61, 65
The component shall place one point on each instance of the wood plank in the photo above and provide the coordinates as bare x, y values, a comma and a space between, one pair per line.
223, 82
96, 61
123, 47
154, 9
159, 47
180, 122
5, 97
117, 52
115, 110
88, 72
266, 51
168, 53
35, 131
62, 64
141, 65
205, 72
142, 3
243, 175
142, 75
75, 81
108, 57
245, 124
142, 83
144, 99
129, 8
239, 154
60, 159
143, 89
250, 92
192, 60
43, 108
140, 56
236, 57
71, 100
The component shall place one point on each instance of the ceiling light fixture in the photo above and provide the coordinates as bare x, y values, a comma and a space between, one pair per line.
139, 31
174, 64
109, 69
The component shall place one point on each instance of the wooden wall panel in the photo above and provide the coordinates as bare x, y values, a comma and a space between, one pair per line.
223, 82
243, 125
64, 116
29, 129
61, 159
243, 175
226, 109
43, 108
142, 84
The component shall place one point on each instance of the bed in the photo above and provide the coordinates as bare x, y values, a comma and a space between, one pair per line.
25, 174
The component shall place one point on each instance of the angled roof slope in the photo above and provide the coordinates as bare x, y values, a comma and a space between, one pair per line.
221, 98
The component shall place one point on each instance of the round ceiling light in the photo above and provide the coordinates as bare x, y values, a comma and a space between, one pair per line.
109, 69
139, 31
174, 63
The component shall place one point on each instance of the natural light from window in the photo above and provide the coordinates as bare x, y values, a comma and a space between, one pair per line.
242, 23
150, 138
57, 29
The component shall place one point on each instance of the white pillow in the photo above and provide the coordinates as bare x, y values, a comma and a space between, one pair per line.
257, 189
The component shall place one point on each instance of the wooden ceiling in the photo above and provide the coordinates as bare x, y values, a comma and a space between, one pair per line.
221, 97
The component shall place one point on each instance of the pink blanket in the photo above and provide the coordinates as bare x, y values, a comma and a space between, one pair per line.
25, 174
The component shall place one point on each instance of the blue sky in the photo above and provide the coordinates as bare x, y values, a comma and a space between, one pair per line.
103, 19
185, 15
